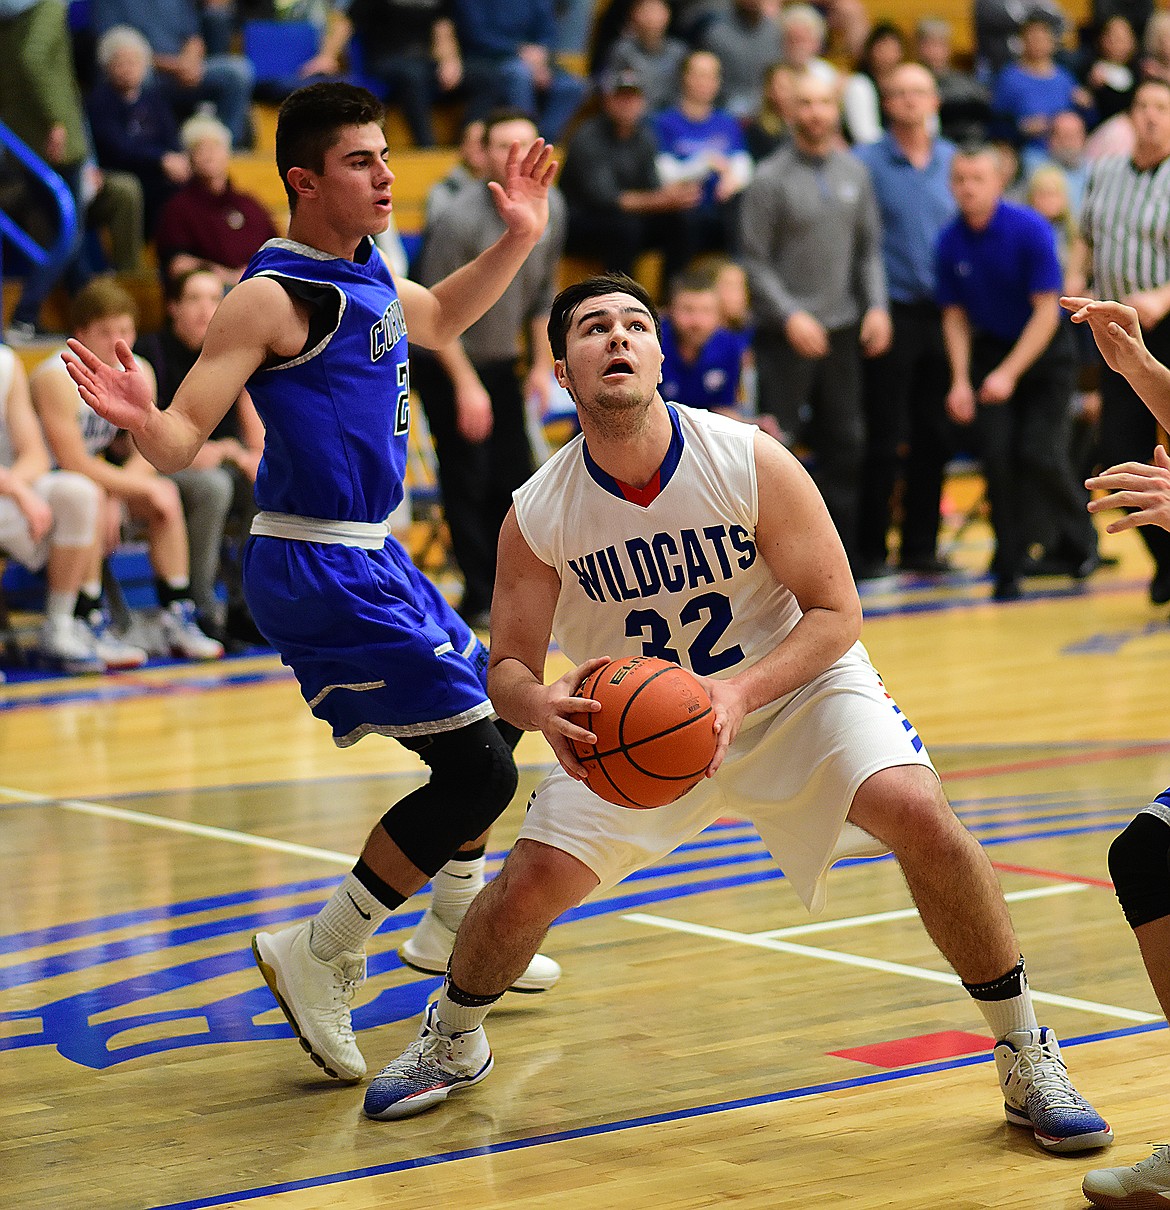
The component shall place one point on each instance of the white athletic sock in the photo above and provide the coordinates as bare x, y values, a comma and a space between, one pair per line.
456, 1018
59, 606
1006, 1016
454, 887
347, 921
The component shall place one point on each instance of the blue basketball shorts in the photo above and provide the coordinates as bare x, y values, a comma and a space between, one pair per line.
372, 642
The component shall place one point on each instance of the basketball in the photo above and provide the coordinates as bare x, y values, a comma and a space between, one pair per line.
654, 732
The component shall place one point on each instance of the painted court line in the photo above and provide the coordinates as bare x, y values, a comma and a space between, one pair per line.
181, 825
876, 964
846, 922
552, 1138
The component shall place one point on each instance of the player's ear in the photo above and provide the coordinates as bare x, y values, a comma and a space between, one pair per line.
302, 182
560, 375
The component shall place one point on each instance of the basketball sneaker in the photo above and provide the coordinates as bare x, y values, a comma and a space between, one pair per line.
115, 652
1037, 1093
432, 1067
183, 636
1145, 1186
315, 996
66, 643
428, 949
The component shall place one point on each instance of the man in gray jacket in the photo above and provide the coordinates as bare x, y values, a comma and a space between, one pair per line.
812, 250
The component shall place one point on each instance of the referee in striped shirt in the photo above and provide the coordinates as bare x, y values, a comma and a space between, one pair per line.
1126, 224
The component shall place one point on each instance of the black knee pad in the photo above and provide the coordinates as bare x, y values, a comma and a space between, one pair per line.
1139, 864
473, 778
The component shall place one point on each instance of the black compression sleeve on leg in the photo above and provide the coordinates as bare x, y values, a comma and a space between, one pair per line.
1139, 864
473, 778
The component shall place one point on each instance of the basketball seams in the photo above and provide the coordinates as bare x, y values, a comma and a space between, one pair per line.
617, 761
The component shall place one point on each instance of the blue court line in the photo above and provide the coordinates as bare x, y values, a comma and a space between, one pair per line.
604, 1128
33, 970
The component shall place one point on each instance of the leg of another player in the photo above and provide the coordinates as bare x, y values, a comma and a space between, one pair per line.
497, 940
314, 969
962, 907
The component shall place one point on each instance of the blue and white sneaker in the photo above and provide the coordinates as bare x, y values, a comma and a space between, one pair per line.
432, 1067
1037, 1093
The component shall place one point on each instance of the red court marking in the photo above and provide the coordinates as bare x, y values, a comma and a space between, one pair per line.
1055, 762
927, 1048
1058, 875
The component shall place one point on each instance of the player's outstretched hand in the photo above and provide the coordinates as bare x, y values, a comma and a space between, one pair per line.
522, 200
560, 701
1116, 329
1139, 486
123, 397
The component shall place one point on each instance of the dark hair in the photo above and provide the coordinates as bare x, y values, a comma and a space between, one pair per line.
571, 297
309, 120
692, 280
502, 114
174, 285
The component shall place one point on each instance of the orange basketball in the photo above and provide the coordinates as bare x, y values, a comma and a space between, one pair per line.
654, 732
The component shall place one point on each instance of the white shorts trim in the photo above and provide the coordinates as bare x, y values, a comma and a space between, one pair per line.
793, 776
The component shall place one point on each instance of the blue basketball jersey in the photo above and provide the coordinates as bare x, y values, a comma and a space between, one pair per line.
336, 417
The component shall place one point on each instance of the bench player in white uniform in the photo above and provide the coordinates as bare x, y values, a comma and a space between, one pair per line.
318, 333
667, 531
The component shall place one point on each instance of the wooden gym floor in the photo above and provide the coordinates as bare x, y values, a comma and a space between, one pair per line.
708, 1044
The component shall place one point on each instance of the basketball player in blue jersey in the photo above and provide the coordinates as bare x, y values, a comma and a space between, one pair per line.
667, 531
317, 332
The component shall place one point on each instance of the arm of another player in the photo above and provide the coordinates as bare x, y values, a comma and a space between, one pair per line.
797, 540
523, 604
437, 315
256, 319
1143, 487
1118, 334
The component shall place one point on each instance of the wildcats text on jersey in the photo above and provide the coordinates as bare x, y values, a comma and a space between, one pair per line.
388, 331
644, 567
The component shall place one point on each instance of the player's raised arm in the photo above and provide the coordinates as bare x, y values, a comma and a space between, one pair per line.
1118, 334
523, 605
250, 324
437, 315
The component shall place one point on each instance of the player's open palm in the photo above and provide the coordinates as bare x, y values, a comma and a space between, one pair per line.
122, 396
522, 200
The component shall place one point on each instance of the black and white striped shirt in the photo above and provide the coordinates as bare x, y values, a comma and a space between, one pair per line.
1126, 221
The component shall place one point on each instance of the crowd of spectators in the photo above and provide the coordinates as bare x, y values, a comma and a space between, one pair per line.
779, 147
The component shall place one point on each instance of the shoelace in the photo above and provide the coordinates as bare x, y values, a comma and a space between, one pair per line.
347, 980
1161, 1156
1046, 1075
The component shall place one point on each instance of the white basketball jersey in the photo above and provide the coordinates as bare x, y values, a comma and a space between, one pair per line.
671, 571
96, 431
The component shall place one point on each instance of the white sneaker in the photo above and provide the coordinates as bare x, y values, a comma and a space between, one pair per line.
432, 1067
66, 643
115, 652
315, 997
1145, 1186
1037, 1093
428, 949
183, 636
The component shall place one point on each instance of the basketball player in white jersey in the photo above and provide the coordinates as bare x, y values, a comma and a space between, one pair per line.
677, 533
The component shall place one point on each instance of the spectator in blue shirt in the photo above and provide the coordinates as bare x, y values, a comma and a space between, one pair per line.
1012, 364
509, 62
701, 359
186, 72
699, 142
134, 127
908, 435
1034, 88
